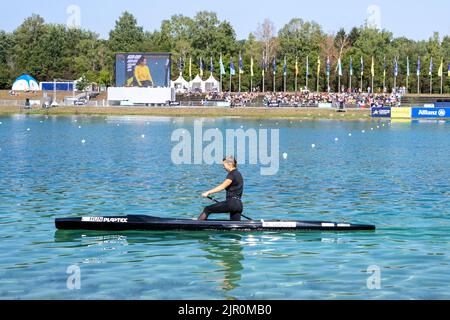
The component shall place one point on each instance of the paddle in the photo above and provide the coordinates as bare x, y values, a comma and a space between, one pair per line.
216, 201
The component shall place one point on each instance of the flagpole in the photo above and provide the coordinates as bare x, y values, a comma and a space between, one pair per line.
431, 83
307, 72
362, 89
274, 84
418, 84
231, 76
418, 75
339, 75
220, 67
407, 84
239, 81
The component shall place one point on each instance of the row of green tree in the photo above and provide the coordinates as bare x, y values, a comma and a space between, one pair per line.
52, 51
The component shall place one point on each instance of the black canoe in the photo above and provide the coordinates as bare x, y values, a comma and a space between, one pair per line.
147, 223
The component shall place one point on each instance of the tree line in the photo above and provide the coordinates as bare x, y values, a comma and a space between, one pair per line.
53, 51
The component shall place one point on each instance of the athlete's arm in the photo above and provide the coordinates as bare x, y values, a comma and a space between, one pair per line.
218, 189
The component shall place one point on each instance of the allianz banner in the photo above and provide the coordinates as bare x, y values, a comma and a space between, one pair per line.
383, 112
431, 113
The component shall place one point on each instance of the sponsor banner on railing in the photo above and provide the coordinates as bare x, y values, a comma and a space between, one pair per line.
427, 113
442, 104
381, 112
325, 105
401, 113
273, 104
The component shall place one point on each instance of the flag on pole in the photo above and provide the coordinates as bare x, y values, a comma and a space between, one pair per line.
307, 66
441, 69
222, 67
328, 66
318, 66
372, 69
190, 67
362, 66
241, 64
351, 66
431, 67
296, 66
201, 68
395, 67
340, 67
251, 67
181, 66
211, 65
274, 66
384, 67
418, 67
285, 67
408, 71
263, 67
449, 69
232, 68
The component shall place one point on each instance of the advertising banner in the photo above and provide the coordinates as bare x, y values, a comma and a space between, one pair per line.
427, 113
382, 112
401, 113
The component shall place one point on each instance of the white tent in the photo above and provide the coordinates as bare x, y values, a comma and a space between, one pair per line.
25, 83
197, 84
180, 85
212, 84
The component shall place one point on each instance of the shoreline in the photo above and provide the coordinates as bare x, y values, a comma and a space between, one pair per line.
258, 113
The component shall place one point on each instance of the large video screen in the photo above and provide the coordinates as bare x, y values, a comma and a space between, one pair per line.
146, 70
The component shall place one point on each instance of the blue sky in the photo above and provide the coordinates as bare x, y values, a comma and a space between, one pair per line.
414, 19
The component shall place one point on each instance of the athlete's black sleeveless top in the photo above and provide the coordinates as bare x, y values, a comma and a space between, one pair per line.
236, 189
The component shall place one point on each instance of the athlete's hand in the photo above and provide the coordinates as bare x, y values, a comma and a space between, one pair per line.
205, 195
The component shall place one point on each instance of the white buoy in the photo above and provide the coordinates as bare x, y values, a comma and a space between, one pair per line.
364, 131
313, 146
79, 127
285, 155
83, 141
336, 139
349, 134
118, 125
1, 123
143, 136
242, 127
28, 129
378, 127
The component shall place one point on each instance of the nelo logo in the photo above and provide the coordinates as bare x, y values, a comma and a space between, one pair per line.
441, 113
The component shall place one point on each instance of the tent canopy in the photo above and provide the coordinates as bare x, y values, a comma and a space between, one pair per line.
211, 84
25, 83
197, 84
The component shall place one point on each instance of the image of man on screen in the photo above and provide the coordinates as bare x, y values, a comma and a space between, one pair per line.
142, 76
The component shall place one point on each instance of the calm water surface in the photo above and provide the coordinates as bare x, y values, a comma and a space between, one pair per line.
395, 176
